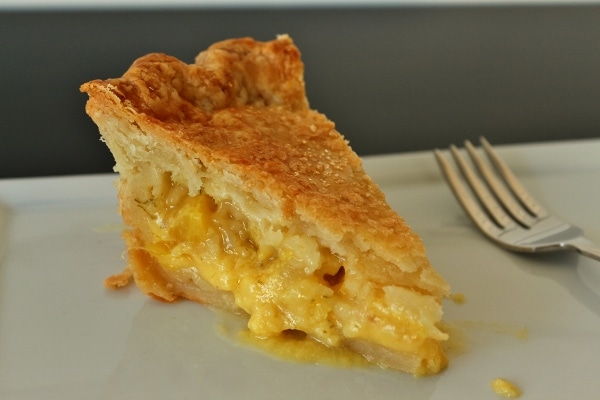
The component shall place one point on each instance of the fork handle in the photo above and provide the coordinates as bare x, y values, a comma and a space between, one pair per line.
586, 248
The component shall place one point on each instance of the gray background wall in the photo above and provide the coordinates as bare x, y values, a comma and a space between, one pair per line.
393, 79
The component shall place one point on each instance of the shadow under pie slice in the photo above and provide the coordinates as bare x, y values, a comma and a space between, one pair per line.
238, 195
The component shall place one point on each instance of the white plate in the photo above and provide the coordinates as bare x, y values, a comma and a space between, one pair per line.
534, 320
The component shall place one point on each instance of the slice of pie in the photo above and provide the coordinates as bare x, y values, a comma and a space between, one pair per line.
236, 194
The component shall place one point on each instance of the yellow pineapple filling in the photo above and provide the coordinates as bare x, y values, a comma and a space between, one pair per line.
284, 280
505, 388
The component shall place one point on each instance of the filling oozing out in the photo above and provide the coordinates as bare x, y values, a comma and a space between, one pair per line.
285, 280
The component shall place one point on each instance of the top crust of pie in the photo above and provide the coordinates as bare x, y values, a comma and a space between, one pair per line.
241, 109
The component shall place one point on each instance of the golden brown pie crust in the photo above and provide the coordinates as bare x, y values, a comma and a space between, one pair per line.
241, 111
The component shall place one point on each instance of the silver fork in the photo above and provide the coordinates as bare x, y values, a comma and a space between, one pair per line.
502, 208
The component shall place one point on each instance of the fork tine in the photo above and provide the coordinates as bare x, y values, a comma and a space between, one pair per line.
471, 207
511, 180
481, 191
506, 199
